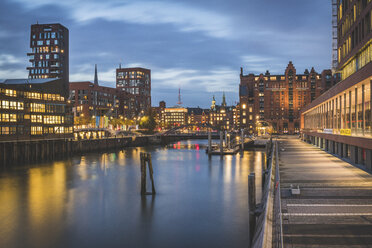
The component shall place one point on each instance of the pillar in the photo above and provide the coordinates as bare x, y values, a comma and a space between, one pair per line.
369, 160
340, 149
353, 154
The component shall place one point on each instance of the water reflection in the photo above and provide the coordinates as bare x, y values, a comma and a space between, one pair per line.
94, 201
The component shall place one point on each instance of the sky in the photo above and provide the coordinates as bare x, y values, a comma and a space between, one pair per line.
195, 45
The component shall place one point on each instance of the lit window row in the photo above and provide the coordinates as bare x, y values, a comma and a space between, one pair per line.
4, 117
11, 105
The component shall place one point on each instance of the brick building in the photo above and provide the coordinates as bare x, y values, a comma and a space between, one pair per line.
221, 116
275, 101
136, 82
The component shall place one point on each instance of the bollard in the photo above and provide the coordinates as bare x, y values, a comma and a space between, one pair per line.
252, 205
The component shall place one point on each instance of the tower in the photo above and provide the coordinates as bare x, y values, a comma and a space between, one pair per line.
179, 97
213, 106
95, 75
49, 54
223, 100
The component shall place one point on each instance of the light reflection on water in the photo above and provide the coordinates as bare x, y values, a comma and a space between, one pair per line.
94, 201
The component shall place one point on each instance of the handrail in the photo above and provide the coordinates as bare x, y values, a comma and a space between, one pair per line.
263, 236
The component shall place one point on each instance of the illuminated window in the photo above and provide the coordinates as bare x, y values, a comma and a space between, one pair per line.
36, 130
5, 117
5, 104
36, 118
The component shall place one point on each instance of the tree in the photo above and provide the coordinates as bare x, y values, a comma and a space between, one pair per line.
148, 121
83, 120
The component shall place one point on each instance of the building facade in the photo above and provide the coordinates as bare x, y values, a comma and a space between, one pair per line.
91, 100
37, 107
34, 109
50, 52
340, 120
173, 117
275, 101
137, 83
221, 116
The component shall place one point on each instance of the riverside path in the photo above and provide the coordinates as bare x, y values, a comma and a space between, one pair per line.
334, 206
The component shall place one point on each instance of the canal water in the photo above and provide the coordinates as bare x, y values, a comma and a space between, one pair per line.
94, 200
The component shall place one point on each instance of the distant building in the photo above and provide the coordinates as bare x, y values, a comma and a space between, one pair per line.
50, 52
276, 100
158, 113
90, 100
173, 117
197, 115
340, 121
221, 116
34, 109
136, 82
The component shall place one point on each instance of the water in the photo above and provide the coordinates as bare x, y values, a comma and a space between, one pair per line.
95, 201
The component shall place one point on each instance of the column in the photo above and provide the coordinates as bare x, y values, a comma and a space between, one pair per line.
363, 115
369, 160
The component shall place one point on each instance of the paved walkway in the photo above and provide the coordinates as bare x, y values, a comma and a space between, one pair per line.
334, 207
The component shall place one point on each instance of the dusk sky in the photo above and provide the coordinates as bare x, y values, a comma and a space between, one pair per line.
196, 45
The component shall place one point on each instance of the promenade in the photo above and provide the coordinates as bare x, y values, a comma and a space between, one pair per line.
334, 207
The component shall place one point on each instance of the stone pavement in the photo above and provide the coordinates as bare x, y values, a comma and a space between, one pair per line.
334, 207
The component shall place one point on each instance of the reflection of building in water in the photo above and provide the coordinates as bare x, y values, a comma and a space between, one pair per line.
46, 202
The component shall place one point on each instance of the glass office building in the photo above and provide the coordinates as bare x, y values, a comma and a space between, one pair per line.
340, 120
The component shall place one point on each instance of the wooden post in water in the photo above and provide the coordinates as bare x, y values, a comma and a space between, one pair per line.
242, 138
226, 144
146, 159
209, 143
252, 205
221, 143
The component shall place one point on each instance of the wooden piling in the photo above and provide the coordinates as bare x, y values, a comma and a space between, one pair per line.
209, 143
242, 139
221, 143
252, 205
146, 159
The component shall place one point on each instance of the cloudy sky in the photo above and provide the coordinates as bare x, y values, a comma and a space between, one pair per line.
197, 45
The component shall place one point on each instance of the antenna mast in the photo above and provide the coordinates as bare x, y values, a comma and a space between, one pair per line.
179, 97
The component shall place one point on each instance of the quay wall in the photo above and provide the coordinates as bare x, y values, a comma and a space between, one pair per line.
33, 151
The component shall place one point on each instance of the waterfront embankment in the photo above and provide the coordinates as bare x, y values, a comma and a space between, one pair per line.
331, 201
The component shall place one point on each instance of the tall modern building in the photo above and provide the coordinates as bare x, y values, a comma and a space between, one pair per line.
137, 82
49, 54
276, 100
340, 121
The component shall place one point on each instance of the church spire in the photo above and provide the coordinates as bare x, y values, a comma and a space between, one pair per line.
223, 100
95, 75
